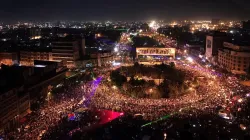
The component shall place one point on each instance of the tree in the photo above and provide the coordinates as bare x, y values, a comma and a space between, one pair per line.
172, 64
136, 64
117, 78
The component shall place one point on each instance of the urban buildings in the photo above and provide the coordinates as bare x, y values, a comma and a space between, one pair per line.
8, 58
23, 86
214, 41
152, 54
27, 57
235, 57
67, 50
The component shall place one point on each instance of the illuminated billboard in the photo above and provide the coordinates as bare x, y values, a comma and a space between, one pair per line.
156, 51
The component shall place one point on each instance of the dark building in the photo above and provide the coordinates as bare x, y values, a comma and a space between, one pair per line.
22, 86
35, 33
215, 21
214, 41
246, 25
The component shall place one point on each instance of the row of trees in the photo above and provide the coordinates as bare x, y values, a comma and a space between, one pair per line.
172, 85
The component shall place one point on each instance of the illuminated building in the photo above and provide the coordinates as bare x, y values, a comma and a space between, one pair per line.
235, 58
8, 58
151, 54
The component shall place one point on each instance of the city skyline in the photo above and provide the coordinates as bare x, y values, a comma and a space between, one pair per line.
98, 10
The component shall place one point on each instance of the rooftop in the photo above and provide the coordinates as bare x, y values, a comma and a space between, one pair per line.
217, 34
10, 77
240, 42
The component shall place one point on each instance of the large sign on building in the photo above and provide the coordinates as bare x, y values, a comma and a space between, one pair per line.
156, 51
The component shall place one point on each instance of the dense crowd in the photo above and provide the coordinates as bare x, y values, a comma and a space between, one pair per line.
212, 92
205, 98
58, 108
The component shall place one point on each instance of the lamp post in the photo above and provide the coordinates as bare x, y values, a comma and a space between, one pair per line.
48, 97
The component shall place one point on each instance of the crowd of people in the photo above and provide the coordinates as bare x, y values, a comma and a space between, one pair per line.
204, 98
212, 92
74, 96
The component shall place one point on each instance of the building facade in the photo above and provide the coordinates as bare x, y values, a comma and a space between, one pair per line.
99, 59
234, 58
67, 51
28, 86
154, 54
8, 58
27, 57
213, 43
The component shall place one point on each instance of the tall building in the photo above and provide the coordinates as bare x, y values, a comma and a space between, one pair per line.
27, 57
13, 101
246, 25
214, 41
66, 50
8, 58
235, 57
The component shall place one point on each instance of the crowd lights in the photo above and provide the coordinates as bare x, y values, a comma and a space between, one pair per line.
116, 49
190, 59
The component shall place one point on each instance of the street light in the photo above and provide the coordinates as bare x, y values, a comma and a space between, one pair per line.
48, 96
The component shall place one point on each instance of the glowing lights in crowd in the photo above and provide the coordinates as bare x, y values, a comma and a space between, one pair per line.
190, 59
116, 49
240, 100
116, 63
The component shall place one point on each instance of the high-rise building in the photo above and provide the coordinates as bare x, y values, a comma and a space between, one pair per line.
66, 50
35, 33
27, 57
21, 86
14, 103
214, 41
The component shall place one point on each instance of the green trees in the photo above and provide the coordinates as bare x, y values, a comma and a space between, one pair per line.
142, 80
172, 64
117, 78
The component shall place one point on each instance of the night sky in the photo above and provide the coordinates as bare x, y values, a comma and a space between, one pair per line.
31, 10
